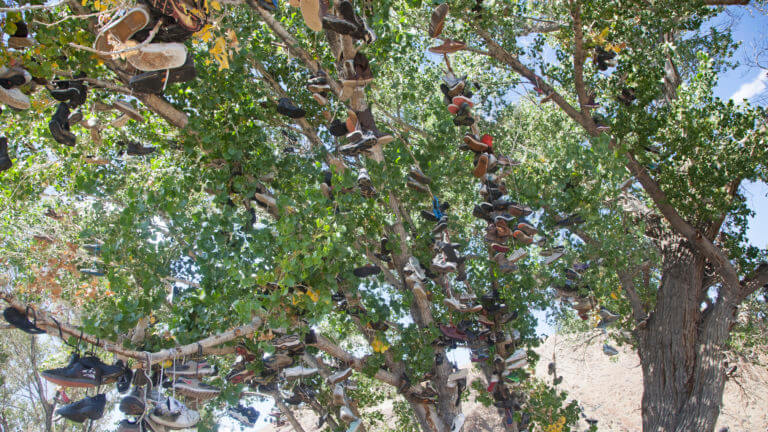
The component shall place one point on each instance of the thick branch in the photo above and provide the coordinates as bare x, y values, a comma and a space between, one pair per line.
578, 57
47, 323
726, 2
628, 284
710, 251
753, 283
499, 53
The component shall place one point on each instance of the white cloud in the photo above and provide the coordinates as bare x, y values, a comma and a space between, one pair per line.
752, 88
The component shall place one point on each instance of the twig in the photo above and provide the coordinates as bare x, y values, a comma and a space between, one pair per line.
68, 17
33, 7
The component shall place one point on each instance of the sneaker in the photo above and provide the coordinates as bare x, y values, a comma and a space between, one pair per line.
437, 21
195, 388
481, 166
518, 355
347, 415
526, 227
339, 397
416, 185
517, 255
174, 414
505, 266
475, 144
5, 160
287, 342
338, 128
20, 321
440, 264
10, 79
277, 361
339, 376
609, 350
286, 107
59, 126
299, 372
310, 11
159, 56
339, 25
190, 369
133, 403
366, 271
155, 82
76, 374
366, 141
416, 174
449, 46
355, 426
522, 237
89, 408
137, 149
120, 30
458, 423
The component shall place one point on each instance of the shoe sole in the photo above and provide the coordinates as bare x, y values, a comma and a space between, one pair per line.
310, 10
131, 405
70, 382
159, 56
122, 29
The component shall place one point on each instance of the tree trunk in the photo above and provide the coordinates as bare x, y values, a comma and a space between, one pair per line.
681, 349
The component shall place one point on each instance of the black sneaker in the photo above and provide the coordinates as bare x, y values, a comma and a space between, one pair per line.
20, 321
108, 374
59, 126
5, 160
338, 128
137, 149
76, 374
286, 107
366, 271
157, 81
82, 410
133, 404
339, 25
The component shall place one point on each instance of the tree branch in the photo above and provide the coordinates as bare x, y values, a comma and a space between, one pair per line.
578, 57
753, 283
45, 321
726, 2
628, 284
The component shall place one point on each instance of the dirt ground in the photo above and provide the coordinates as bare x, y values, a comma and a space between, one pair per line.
609, 389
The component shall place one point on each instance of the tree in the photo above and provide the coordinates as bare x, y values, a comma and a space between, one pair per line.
193, 210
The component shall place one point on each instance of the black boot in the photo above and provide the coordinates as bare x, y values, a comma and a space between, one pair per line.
59, 126
5, 160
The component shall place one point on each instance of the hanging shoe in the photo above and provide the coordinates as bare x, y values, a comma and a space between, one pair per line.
20, 38
120, 30
449, 46
367, 123
133, 403
59, 126
437, 21
88, 408
5, 160
10, 79
137, 149
174, 414
286, 107
155, 82
481, 166
195, 389
310, 11
158, 56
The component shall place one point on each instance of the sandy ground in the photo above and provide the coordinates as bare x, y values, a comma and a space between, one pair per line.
609, 389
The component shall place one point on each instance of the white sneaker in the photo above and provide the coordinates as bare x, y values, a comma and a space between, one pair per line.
517, 255
458, 422
520, 364
347, 415
516, 356
174, 415
340, 376
298, 372
338, 394
554, 257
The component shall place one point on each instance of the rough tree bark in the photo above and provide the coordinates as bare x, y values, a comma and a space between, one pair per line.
681, 349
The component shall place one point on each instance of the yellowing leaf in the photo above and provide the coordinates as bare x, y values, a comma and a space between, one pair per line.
220, 54
614, 295
379, 346
312, 295
84, 2
216, 5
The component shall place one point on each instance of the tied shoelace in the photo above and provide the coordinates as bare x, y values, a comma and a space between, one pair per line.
436, 208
